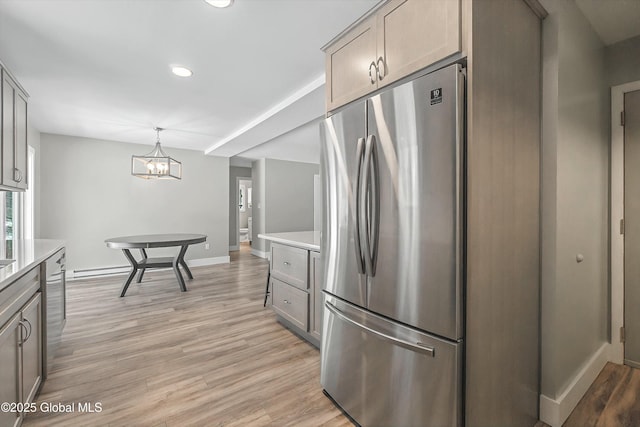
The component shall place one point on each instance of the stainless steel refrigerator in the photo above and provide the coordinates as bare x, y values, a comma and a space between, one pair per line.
392, 254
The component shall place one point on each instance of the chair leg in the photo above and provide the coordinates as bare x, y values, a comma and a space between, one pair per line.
266, 290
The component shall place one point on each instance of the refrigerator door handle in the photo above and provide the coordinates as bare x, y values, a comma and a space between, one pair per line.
357, 235
370, 206
417, 347
375, 204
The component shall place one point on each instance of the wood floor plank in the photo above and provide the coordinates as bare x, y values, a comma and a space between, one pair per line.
212, 356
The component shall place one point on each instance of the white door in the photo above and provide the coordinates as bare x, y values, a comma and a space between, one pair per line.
632, 228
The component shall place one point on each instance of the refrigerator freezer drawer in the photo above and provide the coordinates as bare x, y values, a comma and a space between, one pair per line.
383, 374
290, 264
290, 303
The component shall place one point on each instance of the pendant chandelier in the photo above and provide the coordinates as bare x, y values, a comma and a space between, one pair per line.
156, 164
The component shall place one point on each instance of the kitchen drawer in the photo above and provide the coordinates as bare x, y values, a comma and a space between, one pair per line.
290, 265
18, 293
290, 303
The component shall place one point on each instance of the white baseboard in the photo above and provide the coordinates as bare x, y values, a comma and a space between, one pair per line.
208, 261
261, 254
234, 248
113, 271
556, 411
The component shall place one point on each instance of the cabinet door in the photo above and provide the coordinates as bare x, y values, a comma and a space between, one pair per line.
14, 134
413, 34
8, 130
10, 369
348, 64
316, 292
32, 348
20, 145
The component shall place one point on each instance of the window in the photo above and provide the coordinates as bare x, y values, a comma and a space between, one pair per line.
17, 213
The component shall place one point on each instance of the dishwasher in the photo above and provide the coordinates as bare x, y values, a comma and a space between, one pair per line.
55, 306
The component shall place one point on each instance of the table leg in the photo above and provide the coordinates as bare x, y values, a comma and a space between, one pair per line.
183, 263
144, 257
134, 269
179, 260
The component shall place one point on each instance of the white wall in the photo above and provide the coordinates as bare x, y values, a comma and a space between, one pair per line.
574, 203
33, 138
88, 195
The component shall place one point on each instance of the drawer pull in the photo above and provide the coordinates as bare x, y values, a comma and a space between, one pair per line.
287, 301
286, 263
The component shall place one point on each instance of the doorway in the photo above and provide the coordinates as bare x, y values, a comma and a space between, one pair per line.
244, 219
625, 224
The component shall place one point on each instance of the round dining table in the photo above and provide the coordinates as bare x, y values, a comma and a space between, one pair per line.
148, 241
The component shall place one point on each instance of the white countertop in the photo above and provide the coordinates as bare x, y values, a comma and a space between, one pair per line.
27, 254
309, 240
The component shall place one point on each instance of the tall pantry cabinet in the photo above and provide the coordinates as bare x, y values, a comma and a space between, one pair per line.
498, 42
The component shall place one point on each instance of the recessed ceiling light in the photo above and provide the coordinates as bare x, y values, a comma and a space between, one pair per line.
220, 3
181, 71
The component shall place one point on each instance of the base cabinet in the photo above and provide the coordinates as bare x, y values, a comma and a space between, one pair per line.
296, 290
315, 272
10, 377
21, 356
32, 348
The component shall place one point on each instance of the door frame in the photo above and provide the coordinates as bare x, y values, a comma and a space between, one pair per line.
616, 215
237, 207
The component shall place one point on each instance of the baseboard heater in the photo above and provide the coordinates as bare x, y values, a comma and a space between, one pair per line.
96, 272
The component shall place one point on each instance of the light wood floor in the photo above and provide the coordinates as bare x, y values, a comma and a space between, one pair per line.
613, 400
214, 356
211, 356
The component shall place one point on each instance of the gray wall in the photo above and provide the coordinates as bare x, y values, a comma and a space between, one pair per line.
258, 176
289, 195
282, 197
88, 194
623, 62
235, 172
574, 196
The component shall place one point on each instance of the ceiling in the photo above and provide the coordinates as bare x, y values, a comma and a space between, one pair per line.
101, 68
613, 20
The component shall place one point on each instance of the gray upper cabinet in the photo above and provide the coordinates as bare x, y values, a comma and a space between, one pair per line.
401, 37
14, 135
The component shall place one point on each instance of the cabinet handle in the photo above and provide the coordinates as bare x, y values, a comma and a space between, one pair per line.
286, 301
27, 330
30, 329
17, 175
286, 263
372, 78
381, 67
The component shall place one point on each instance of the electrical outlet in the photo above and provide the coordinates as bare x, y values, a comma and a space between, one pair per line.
206, 246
